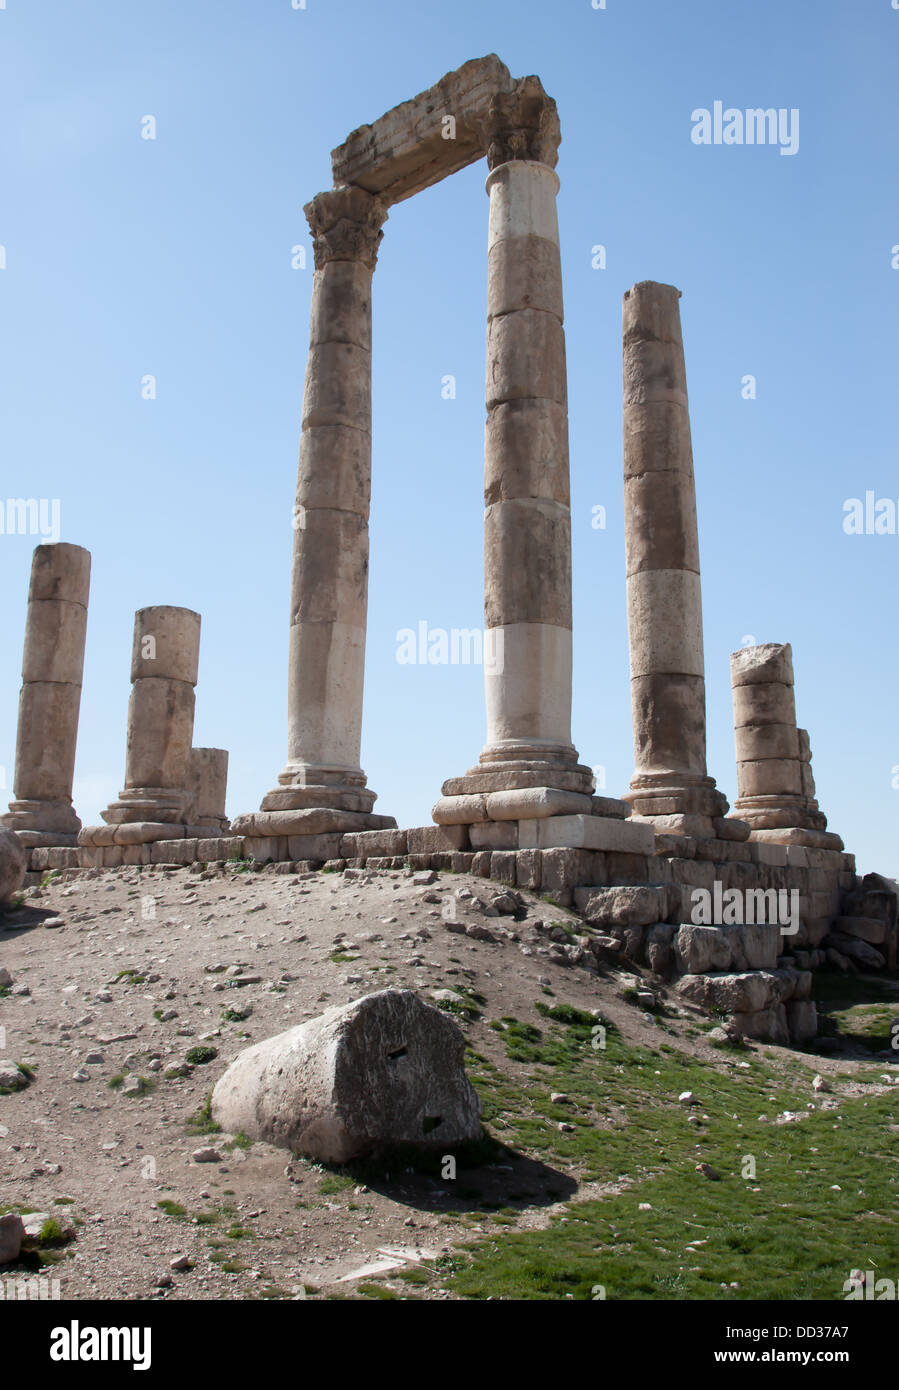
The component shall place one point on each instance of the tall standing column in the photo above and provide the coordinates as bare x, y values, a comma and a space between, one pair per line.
322, 787
50, 699
164, 664
527, 523
670, 786
775, 786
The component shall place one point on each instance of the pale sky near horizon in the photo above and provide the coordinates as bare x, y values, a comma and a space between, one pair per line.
173, 257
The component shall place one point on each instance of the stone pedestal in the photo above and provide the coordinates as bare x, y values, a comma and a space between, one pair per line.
207, 780
157, 798
322, 788
50, 700
775, 786
529, 767
671, 786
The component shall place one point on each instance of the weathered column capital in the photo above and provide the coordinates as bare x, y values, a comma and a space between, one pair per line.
523, 124
346, 226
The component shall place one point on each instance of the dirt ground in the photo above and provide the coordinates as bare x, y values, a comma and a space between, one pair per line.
118, 974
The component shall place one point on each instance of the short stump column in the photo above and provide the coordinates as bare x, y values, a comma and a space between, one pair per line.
775, 786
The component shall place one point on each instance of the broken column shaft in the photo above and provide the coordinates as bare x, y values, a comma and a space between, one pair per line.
775, 786
670, 785
50, 698
164, 662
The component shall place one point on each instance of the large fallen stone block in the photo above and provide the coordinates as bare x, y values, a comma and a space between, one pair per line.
768, 1025
659, 950
802, 1020
383, 1070
748, 992
12, 866
754, 945
871, 929
857, 950
700, 949
623, 907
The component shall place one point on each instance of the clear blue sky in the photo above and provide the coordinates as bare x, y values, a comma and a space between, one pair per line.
172, 257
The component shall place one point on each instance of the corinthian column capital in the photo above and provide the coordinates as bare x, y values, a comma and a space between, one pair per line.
346, 226
523, 124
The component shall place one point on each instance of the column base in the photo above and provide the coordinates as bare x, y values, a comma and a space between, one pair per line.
302, 787
54, 818
522, 803
799, 835
313, 832
519, 766
163, 805
678, 803
780, 812
44, 839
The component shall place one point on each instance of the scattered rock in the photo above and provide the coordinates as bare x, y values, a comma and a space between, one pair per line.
12, 865
12, 1233
11, 1077
207, 1155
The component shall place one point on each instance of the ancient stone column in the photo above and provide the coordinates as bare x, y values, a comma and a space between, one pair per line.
207, 780
527, 524
670, 785
775, 786
50, 699
164, 660
322, 787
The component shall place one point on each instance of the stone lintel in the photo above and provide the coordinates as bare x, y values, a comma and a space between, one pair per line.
406, 149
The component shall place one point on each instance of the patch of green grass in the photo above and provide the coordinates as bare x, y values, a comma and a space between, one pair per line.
118, 1080
824, 1198
131, 977
240, 1141
238, 1233
370, 1290
336, 1182
233, 1267
171, 1208
341, 957
63, 1201
467, 1007
201, 1122
237, 1015
199, 1056
52, 1234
